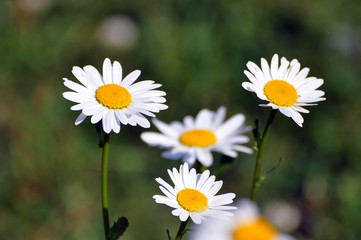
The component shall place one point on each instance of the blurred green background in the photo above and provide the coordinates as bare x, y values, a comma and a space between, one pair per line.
198, 50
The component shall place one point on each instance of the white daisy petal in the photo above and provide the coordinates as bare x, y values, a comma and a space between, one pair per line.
117, 73
165, 200
222, 199
189, 200
202, 179
285, 111
110, 99
115, 123
107, 122
202, 119
188, 122
173, 155
208, 184
168, 194
83, 78
265, 69
282, 71
80, 119
99, 115
229, 152
184, 216
153, 107
230, 125
219, 117
293, 70
121, 117
141, 120
256, 71
248, 86
177, 212
196, 218
204, 157
310, 86
217, 214
300, 109
301, 75
274, 66
167, 186
107, 71
76, 97
189, 158
79, 106
215, 188
151, 93
244, 149
130, 78
297, 117
93, 75
88, 108
165, 129
78, 88
286, 88
156, 139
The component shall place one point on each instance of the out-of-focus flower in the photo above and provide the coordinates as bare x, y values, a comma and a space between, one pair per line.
34, 6
345, 39
284, 215
285, 87
247, 224
196, 138
112, 99
194, 195
117, 32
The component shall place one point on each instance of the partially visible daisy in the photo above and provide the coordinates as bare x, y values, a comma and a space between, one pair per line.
111, 99
194, 195
196, 138
286, 86
247, 224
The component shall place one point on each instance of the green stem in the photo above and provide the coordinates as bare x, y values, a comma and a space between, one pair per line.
104, 184
181, 230
260, 145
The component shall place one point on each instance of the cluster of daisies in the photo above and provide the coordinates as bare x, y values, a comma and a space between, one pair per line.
113, 101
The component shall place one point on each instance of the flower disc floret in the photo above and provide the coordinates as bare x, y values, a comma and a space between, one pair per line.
198, 138
259, 229
192, 200
280, 93
113, 96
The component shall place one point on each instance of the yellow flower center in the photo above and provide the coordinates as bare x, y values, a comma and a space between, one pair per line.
260, 229
113, 96
192, 200
280, 93
198, 138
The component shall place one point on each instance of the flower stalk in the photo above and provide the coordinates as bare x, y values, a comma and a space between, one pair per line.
260, 142
181, 230
104, 184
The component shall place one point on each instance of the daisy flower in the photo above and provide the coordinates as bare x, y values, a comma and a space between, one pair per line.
111, 99
196, 138
285, 87
246, 224
194, 195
